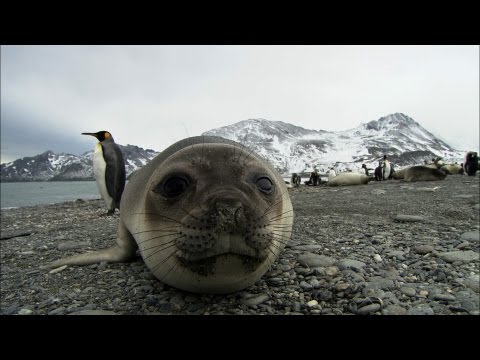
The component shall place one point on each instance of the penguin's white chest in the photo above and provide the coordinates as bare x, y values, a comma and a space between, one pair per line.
386, 170
99, 167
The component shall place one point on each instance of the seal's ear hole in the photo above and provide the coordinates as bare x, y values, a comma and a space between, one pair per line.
264, 184
172, 186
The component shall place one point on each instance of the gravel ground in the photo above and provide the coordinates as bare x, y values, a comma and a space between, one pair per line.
386, 248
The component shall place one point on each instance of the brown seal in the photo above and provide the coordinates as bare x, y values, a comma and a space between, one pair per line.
207, 214
423, 173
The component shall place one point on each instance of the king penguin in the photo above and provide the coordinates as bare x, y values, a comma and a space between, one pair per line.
109, 170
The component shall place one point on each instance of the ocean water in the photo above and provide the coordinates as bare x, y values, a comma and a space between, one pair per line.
19, 194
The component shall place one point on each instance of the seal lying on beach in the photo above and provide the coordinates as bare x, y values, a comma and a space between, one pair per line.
207, 214
344, 179
423, 173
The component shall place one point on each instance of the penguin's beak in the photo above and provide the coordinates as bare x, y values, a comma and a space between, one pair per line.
92, 134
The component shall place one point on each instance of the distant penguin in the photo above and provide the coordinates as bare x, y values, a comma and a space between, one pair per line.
367, 170
378, 172
386, 169
109, 170
470, 164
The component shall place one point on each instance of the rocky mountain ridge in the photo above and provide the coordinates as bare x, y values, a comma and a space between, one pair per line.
288, 147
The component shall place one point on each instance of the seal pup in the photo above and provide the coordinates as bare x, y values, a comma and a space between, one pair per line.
423, 173
345, 179
109, 169
207, 214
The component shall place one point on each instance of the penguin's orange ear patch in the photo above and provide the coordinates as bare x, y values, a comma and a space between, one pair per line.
107, 135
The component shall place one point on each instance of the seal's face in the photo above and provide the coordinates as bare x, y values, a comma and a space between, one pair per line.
217, 217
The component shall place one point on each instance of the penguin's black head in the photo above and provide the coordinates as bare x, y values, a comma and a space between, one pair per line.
101, 135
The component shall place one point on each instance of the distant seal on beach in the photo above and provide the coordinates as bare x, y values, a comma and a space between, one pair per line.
399, 174
452, 169
345, 179
208, 215
423, 173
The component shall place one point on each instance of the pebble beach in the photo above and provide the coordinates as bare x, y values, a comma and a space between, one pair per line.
386, 248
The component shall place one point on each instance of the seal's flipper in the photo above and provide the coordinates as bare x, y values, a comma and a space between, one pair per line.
123, 251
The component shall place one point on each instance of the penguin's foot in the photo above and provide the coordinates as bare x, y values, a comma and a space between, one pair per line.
108, 213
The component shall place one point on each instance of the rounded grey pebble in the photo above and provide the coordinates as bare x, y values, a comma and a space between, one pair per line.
394, 310
256, 300
473, 236
93, 312
25, 312
460, 256
350, 264
314, 260
423, 249
368, 309
421, 309
445, 297
408, 291
408, 218
58, 311
306, 286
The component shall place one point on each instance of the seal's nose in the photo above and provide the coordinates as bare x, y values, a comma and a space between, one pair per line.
230, 211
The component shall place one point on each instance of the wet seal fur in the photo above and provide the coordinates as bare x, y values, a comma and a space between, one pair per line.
423, 173
207, 214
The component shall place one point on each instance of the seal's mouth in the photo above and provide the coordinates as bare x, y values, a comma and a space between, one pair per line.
207, 265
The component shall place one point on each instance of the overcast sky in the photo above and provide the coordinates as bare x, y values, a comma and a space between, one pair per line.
152, 96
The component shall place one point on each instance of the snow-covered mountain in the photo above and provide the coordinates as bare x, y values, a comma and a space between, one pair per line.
63, 167
295, 149
288, 147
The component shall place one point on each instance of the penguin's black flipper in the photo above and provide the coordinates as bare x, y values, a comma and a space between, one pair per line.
114, 172
120, 176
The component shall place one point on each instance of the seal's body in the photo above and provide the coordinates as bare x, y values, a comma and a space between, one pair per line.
423, 173
399, 174
345, 179
207, 214
452, 169
109, 170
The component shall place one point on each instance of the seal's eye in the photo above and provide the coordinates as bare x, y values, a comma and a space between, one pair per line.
264, 184
172, 186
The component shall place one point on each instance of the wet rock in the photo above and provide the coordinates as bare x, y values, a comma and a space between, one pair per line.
473, 282
460, 256
350, 264
394, 310
421, 309
409, 218
256, 300
70, 245
423, 249
93, 312
314, 260
473, 236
